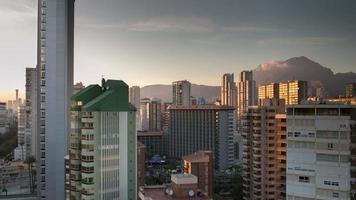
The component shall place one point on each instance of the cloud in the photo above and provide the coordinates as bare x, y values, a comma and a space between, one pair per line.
17, 11
273, 64
319, 40
254, 29
173, 25
195, 25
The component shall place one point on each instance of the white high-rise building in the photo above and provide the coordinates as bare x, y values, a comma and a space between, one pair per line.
181, 92
321, 158
103, 158
55, 86
135, 100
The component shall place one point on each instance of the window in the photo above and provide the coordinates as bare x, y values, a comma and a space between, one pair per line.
335, 195
311, 134
330, 146
290, 134
304, 179
327, 134
327, 157
296, 134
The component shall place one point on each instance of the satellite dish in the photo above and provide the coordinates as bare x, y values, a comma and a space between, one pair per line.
191, 193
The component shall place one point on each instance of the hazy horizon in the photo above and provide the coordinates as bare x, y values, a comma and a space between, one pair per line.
159, 41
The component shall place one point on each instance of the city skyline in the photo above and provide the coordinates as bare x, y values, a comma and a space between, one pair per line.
172, 37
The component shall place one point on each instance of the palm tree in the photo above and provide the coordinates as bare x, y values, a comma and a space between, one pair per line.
30, 160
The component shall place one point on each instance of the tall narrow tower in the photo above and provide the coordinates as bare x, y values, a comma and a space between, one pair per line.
181, 92
228, 90
246, 95
55, 81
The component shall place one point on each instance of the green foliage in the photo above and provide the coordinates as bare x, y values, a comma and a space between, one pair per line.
229, 185
8, 141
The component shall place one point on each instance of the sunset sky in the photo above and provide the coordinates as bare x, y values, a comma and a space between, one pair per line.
159, 41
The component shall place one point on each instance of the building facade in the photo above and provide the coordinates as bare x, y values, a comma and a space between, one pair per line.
150, 115
246, 92
202, 127
264, 151
31, 106
321, 152
3, 118
201, 164
268, 91
103, 150
153, 142
350, 90
228, 90
135, 100
181, 92
293, 92
55, 85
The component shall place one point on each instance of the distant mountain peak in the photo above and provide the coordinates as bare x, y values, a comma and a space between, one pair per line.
303, 68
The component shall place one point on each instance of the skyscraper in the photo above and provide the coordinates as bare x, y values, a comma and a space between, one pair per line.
150, 114
135, 100
3, 118
202, 127
103, 143
264, 151
31, 104
181, 92
268, 91
293, 92
321, 152
246, 92
55, 85
228, 91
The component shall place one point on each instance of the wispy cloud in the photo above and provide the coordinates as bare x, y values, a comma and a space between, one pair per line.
17, 10
250, 29
173, 25
308, 40
195, 25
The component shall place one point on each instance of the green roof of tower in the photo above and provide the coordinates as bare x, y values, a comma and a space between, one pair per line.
87, 94
112, 96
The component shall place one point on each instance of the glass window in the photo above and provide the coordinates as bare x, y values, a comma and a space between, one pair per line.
304, 179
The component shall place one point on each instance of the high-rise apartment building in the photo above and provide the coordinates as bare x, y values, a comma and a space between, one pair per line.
150, 115
21, 132
31, 106
264, 150
3, 118
135, 100
55, 86
228, 91
103, 149
321, 153
293, 92
351, 90
201, 164
202, 127
181, 92
246, 92
268, 91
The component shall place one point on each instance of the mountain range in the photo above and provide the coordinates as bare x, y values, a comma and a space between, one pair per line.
301, 68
